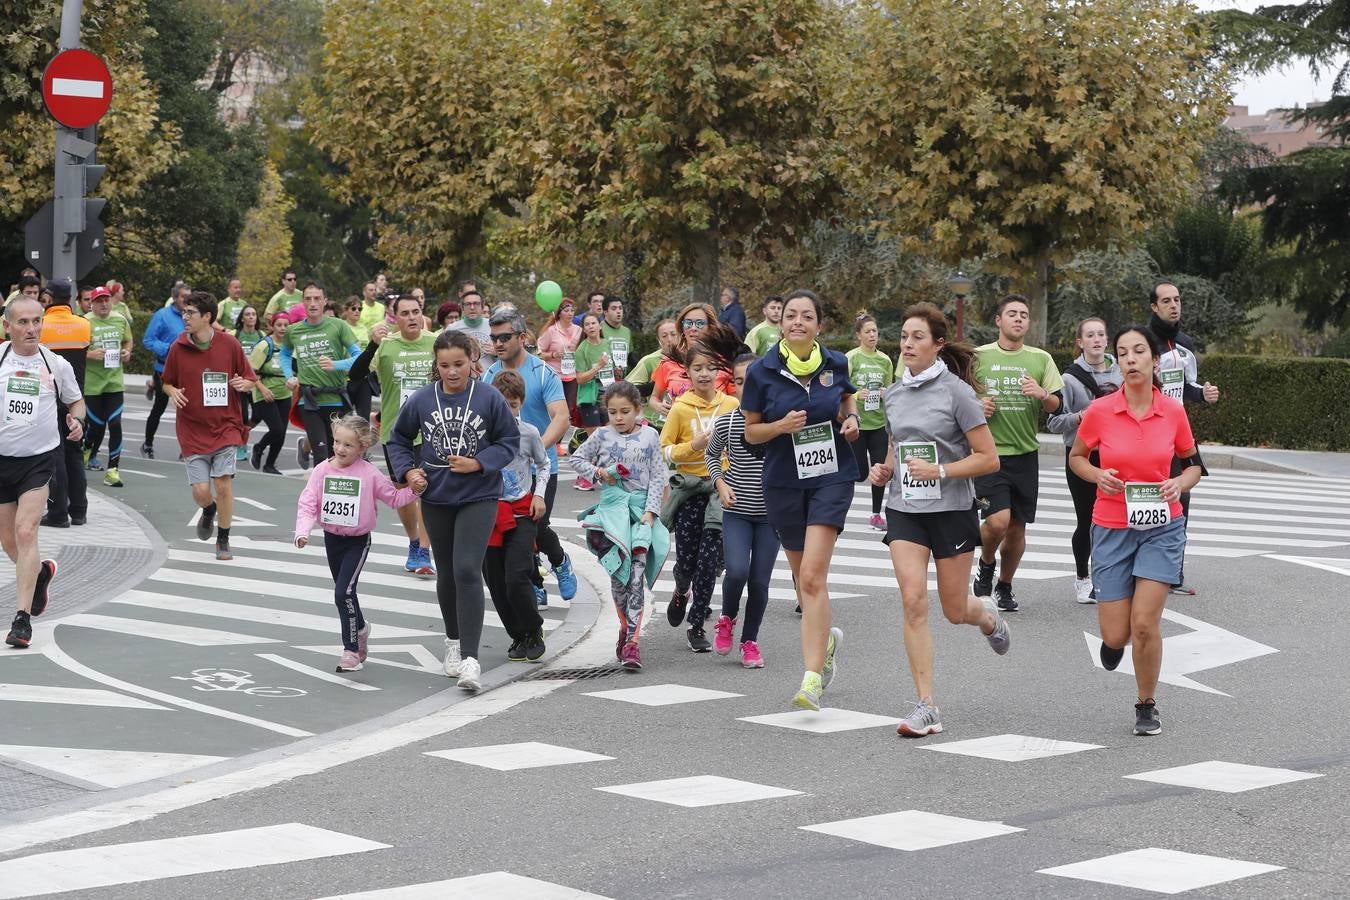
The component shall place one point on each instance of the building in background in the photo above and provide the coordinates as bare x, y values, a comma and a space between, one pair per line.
1277, 131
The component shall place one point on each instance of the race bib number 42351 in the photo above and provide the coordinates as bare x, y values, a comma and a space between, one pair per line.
814, 451
341, 501
1145, 506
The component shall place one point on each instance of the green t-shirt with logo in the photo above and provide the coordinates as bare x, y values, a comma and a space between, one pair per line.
331, 337
283, 300
620, 342
105, 334
266, 362
762, 337
1016, 416
227, 312
872, 371
587, 355
402, 366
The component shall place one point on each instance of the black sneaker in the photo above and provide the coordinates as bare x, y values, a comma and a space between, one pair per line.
698, 641
516, 652
984, 579
1146, 719
675, 609
534, 647
21, 632
147, 451
78, 520
1003, 594
303, 453
271, 470
49, 522
206, 524
1111, 656
46, 572
255, 458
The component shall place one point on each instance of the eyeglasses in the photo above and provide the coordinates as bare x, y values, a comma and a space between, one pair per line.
289, 278
189, 311
503, 338
695, 323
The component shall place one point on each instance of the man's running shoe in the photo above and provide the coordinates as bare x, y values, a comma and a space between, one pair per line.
147, 451
21, 632
540, 596
363, 643
206, 523
724, 635
303, 453
829, 670
424, 567
255, 459
452, 658
270, 469
1003, 593
750, 656
631, 657
921, 722
223, 552
1111, 656
984, 579
999, 638
349, 661
675, 609
112, 478
1146, 720
46, 572
1181, 590
567, 579
698, 640
470, 674
877, 522
516, 652
1082, 590
91, 461
808, 695
533, 647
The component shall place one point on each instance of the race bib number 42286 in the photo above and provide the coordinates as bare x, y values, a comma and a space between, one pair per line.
912, 488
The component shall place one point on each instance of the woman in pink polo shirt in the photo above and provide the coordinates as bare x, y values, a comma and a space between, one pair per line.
1138, 530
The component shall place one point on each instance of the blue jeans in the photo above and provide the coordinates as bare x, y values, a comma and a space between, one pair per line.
750, 548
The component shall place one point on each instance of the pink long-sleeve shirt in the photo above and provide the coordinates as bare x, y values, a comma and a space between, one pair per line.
375, 485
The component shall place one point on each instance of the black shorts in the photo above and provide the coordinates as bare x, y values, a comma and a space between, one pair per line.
947, 534
592, 415
1014, 486
417, 460
21, 474
791, 510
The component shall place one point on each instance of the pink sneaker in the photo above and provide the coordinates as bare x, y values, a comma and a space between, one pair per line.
349, 662
623, 638
632, 659
750, 657
877, 522
363, 643
583, 484
725, 633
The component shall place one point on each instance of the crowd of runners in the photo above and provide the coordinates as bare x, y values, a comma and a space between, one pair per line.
469, 410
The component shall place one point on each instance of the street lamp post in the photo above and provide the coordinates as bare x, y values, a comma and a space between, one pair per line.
960, 286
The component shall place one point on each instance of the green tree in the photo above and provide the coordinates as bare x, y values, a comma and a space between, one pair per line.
265, 243
1021, 133
685, 129
274, 36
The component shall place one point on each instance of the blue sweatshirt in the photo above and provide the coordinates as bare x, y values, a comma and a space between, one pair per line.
475, 422
165, 326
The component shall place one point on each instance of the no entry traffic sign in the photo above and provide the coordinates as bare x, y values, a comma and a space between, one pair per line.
77, 88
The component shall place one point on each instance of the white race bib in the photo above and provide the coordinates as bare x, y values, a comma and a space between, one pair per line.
1145, 507
606, 376
873, 401
569, 364
21, 399
912, 488
619, 351
341, 501
407, 387
112, 356
1173, 382
215, 389
814, 451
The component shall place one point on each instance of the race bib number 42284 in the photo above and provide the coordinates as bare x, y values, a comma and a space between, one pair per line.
814, 451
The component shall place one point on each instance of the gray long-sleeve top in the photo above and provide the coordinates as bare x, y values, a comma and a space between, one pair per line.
1076, 398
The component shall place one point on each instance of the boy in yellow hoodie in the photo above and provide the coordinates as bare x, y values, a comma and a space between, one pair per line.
693, 513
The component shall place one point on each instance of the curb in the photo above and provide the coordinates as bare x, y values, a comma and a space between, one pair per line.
1052, 447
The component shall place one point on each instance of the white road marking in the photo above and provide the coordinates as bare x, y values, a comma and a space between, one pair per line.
71, 696
488, 886
163, 631
827, 721
1339, 566
109, 768
254, 503
262, 615
912, 829
1226, 777
235, 522
1010, 747
312, 672
699, 790
526, 755
1160, 870
662, 695
426, 660
139, 473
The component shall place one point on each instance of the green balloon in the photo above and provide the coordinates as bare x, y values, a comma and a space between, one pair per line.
548, 295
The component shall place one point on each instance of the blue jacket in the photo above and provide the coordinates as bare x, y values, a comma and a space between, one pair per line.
164, 328
733, 317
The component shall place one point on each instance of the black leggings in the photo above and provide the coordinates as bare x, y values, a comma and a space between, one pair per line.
507, 569
273, 414
346, 558
105, 414
871, 443
1084, 495
319, 429
698, 557
459, 536
158, 404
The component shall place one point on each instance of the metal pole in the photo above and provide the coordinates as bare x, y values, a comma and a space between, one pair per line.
69, 195
960, 317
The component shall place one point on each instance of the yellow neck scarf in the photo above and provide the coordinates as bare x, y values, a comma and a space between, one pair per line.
801, 367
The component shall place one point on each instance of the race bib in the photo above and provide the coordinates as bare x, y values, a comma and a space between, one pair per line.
215, 389
569, 364
341, 501
606, 376
814, 451
407, 387
1173, 382
112, 356
1145, 507
619, 352
21, 400
912, 488
873, 401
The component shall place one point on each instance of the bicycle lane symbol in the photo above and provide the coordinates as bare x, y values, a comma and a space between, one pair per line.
212, 679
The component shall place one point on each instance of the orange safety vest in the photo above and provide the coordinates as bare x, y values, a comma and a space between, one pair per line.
63, 330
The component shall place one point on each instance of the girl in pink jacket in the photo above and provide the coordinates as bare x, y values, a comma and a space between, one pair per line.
341, 496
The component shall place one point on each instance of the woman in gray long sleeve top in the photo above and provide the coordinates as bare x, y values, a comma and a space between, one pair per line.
1093, 364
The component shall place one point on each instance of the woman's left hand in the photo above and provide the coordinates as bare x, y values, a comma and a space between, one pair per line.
849, 428
464, 465
1171, 491
921, 469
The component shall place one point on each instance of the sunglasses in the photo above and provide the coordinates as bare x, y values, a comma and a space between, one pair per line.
695, 323
503, 338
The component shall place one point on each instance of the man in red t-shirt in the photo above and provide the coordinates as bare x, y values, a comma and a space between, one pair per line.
204, 374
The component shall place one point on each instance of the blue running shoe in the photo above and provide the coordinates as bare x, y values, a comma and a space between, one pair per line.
424, 563
567, 579
414, 557
540, 596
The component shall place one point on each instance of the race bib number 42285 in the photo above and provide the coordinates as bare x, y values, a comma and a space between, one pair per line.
1145, 506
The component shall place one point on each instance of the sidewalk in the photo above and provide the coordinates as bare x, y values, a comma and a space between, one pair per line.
1251, 459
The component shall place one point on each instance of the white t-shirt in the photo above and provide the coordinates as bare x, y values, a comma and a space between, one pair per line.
480, 332
32, 430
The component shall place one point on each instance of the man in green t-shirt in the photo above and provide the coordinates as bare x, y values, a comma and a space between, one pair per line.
766, 333
372, 310
288, 296
315, 356
229, 307
1021, 383
616, 334
109, 350
667, 336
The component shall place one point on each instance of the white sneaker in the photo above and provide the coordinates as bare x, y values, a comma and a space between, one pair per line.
469, 670
452, 660
1082, 588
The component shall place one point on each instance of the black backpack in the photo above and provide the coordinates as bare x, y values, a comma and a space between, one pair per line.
1088, 380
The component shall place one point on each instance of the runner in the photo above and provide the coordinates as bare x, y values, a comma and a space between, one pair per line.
750, 546
594, 375
109, 351
595, 303
468, 437
938, 442
315, 358
798, 402
767, 333
203, 376
289, 294
696, 322
340, 496
67, 335
1138, 527
164, 328
232, 306
359, 387
693, 511
446, 313
33, 380
732, 314
557, 346
545, 408
246, 330
640, 376
624, 454
1179, 370
271, 399
373, 312
871, 372
474, 322
402, 362
618, 335
1021, 382
119, 301
1093, 374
